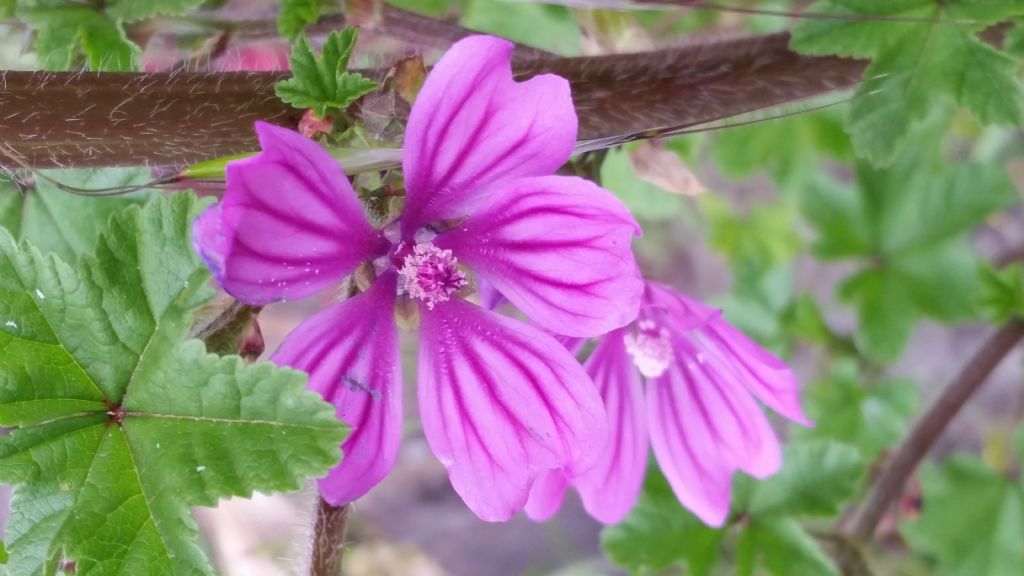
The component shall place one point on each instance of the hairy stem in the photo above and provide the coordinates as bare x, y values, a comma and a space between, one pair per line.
328, 539
182, 117
890, 483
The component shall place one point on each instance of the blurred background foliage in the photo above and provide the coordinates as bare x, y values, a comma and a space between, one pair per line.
872, 243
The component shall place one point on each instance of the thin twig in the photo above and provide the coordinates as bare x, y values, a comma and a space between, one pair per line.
890, 483
328, 539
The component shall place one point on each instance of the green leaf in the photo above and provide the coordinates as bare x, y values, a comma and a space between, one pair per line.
62, 222
816, 479
295, 15
784, 548
659, 533
132, 10
1002, 292
121, 426
740, 151
871, 418
942, 280
1013, 43
908, 223
918, 68
551, 28
885, 312
645, 200
62, 26
322, 83
758, 239
3, 553
972, 520
837, 214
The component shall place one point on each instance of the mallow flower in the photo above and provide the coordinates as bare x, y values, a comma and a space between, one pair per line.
683, 377
500, 400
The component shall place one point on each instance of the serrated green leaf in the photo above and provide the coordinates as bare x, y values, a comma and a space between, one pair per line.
926, 58
121, 426
784, 548
908, 223
837, 214
659, 533
816, 479
871, 418
885, 312
972, 520
62, 222
62, 26
295, 15
322, 83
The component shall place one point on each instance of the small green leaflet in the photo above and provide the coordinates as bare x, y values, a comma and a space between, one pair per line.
1002, 292
917, 67
120, 423
323, 83
972, 519
295, 15
61, 222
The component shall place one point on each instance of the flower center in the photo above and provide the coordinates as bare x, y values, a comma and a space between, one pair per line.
430, 274
650, 347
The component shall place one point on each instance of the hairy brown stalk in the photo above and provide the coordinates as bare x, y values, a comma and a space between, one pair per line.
225, 329
796, 14
95, 119
328, 539
922, 436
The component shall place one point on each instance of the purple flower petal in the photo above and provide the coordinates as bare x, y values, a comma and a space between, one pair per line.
502, 402
703, 428
350, 351
558, 248
289, 225
686, 313
472, 125
762, 373
742, 361
546, 495
610, 488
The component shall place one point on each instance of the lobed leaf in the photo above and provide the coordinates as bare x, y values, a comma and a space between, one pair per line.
323, 83
120, 424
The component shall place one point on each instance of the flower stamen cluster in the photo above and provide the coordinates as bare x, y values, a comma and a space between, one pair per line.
650, 347
430, 274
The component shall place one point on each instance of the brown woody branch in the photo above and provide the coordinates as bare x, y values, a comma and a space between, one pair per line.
890, 483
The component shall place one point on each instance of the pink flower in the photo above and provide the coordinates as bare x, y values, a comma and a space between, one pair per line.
698, 409
501, 402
